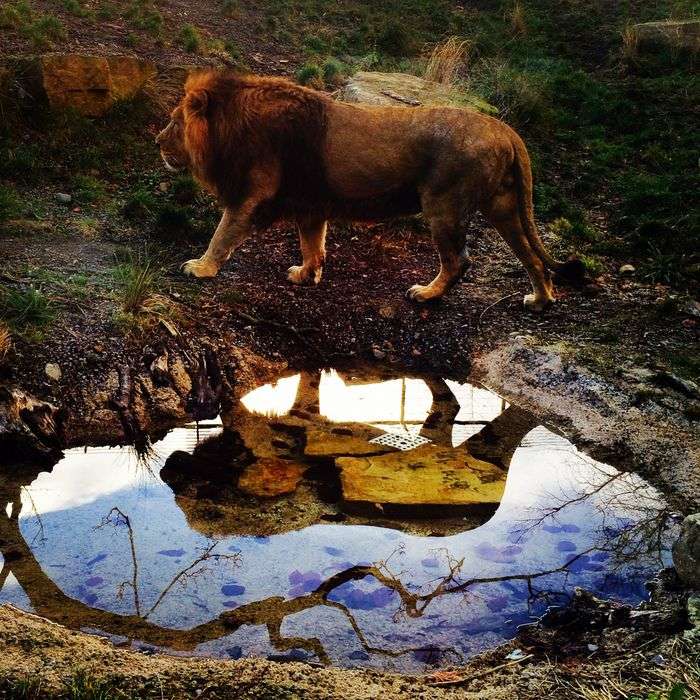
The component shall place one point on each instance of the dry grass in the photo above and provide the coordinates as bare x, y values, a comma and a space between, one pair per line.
446, 61
5, 341
680, 678
518, 19
629, 44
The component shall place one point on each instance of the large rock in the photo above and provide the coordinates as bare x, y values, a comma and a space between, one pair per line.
686, 552
409, 90
428, 475
92, 84
674, 35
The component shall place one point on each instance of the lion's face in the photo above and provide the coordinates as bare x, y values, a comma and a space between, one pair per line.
172, 143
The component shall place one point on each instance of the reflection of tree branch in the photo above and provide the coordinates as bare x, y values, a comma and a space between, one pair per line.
134, 562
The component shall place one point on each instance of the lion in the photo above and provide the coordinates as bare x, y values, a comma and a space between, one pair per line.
272, 150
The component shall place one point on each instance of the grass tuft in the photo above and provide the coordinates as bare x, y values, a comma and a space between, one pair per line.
446, 60
190, 38
10, 203
5, 341
25, 309
138, 277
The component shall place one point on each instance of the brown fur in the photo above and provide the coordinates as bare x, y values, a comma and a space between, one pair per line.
270, 149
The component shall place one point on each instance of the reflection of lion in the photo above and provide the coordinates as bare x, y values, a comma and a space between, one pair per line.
270, 150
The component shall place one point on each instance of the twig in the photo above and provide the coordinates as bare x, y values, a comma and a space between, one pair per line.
401, 98
485, 672
495, 303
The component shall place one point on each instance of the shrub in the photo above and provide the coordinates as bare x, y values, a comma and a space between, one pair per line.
5, 341
144, 15
184, 189
395, 40
76, 8
446, 59
315, 44
88, 189
25, 308
173, 219
137, 280
140, 204
190, 38
310, 74
43, 31
10, 203
333, 72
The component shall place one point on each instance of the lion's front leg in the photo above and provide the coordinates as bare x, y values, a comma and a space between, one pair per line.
233, 229
312, 239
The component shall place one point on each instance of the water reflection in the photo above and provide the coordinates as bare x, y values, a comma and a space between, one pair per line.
222, 553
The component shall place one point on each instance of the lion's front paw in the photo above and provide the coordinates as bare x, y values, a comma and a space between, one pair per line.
298, 274
418, 292
200, 267
532, 303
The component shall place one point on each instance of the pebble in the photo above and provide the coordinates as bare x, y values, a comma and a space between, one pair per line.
63, 198
53, 371
627, 269
163, 186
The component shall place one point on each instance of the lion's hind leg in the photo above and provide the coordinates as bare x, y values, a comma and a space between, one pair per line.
443, 215
312, 240
504, 214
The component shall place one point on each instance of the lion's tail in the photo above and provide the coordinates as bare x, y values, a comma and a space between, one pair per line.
572, 270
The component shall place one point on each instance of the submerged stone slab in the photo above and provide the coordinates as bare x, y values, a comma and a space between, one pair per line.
271, 477
374, 88
330, 441
428, 475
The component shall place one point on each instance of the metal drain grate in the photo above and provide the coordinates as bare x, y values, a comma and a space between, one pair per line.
401, 441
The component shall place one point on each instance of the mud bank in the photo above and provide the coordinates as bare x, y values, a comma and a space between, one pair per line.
598, 636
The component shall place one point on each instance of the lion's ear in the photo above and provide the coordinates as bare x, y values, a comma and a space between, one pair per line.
196, 102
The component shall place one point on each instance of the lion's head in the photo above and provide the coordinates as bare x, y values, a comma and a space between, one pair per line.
172, 142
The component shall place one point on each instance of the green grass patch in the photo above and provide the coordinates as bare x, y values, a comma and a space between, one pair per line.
10, 203
25, 310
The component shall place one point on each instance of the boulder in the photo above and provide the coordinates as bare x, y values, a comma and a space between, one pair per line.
409, 90
686, 552
674, 35
92, 84
270, 477
128, 75
427, 475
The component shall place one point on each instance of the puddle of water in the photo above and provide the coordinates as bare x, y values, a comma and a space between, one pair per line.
186, 551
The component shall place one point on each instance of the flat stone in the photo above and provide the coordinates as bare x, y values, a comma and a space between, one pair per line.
396, 89
269, 477
627, 269
53, 371
63, 198
427, 475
